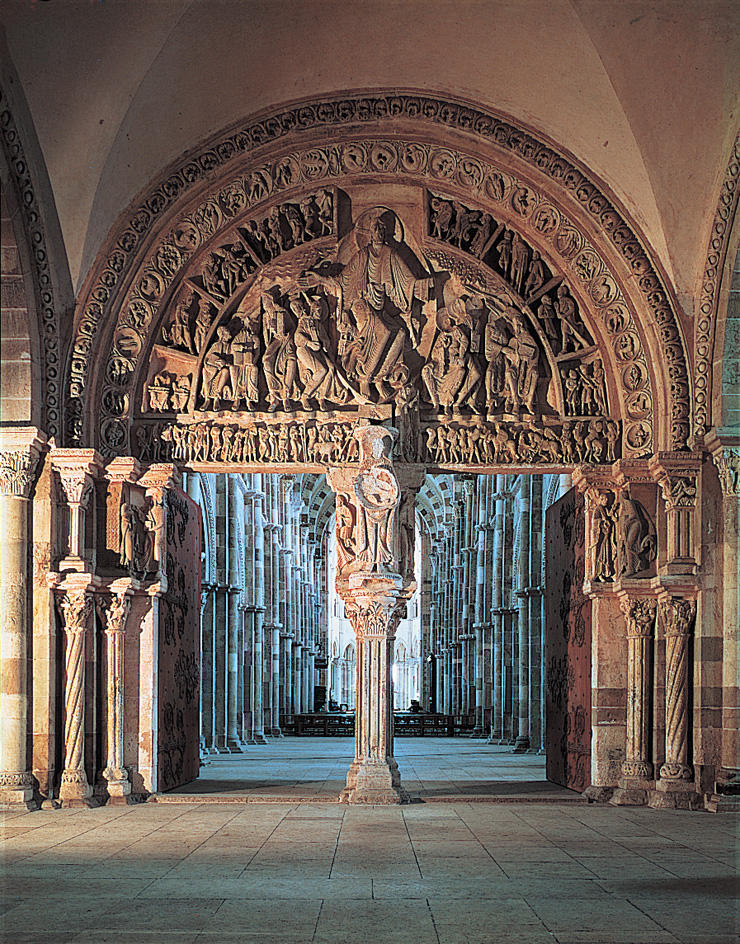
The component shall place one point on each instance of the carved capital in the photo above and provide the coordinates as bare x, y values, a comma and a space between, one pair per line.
679, 491
640, 615
76, 485
114, 610
75, 607
376, 618
18, 473
678, 615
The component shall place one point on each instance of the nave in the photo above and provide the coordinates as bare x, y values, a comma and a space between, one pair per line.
313, 770
278, 654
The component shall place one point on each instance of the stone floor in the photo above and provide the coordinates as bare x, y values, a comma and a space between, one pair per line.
432, 769
463, 872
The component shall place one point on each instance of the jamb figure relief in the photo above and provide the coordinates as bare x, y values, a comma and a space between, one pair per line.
636, 537
604, 536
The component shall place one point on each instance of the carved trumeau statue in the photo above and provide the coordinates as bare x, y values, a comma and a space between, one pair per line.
378, 495
367, 507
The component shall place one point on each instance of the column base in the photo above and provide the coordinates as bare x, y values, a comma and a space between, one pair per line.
521, 745
118, 786
234, 746
374, 782
632, 792
635, 784
75, 791
16, 792
260, 739
674, 795
598, 794
275, 732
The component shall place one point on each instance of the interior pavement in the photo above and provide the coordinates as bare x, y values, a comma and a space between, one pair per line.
432, 769
427, 873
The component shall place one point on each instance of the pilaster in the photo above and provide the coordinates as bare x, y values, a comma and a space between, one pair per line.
20, 451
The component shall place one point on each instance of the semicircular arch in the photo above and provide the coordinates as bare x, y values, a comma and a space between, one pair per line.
529, 311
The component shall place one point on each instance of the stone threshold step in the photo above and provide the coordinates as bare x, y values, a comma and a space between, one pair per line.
241, 799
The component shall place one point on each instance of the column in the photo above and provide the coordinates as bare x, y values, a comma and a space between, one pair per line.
114, 608
372, 580
637, 770
207, 678
479, 598
75, 604
234, 743
497, 613
727, 786
20, 449
234, 524
521, 744
675, 788
258, 725
536, 617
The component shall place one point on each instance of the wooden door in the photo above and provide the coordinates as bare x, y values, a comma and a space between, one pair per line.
179, 644
567, 645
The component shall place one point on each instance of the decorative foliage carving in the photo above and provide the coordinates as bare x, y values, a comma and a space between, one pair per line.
709, 301
515, 199
48, 305
374, 618
17, 472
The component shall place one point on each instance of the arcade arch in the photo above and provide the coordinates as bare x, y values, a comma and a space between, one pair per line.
308, 283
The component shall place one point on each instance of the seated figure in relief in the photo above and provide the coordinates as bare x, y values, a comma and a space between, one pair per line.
378, 298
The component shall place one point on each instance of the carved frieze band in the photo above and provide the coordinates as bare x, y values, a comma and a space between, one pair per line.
28, 203
710, 294
289, 225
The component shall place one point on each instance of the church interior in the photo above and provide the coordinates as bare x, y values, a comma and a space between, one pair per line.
370, 471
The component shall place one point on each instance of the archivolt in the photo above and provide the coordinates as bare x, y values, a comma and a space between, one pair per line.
449, 147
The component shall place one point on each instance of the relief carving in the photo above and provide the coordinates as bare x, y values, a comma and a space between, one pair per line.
369, 157
18, 473
636, 538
